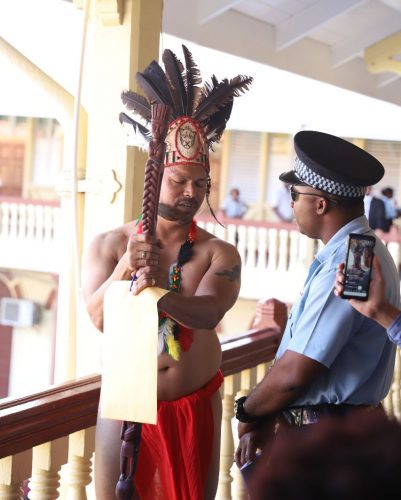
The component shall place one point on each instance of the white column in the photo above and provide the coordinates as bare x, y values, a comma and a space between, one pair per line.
227, 443
238, 489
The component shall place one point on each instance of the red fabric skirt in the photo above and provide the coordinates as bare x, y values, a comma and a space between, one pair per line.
174, 455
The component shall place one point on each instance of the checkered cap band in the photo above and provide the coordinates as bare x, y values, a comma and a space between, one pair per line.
308, 176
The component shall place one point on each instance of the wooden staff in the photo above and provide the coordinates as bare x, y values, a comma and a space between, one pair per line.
131, 431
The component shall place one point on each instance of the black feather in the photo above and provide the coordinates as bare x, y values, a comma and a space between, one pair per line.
175, 78
240, 84
216, 124
138, 127
136, 102
214, 98
185, 253
180, 89
154, 83
192, 80
218, 94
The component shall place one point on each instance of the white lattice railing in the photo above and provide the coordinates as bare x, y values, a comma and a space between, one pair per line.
29, 235
275, 256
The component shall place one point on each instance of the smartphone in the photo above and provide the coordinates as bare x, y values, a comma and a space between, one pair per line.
358, 266
248, 468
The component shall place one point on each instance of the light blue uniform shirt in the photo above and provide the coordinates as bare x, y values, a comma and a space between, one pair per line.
394, 331
356, 350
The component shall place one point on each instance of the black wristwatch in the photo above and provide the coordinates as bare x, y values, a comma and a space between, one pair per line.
240, 413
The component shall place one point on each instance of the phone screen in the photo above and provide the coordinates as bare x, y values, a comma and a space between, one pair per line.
358, 266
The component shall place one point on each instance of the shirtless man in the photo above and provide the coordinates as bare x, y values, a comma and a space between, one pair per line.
179, 457
210, 286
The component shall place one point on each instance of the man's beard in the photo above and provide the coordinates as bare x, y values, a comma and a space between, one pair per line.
170, 213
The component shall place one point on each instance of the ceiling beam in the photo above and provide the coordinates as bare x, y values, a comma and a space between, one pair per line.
311, 19
354, 46
394, 4
308, 57
380, 57
386, 79
209, 9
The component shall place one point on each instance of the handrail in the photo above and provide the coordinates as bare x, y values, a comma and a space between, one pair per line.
249, 350
28, 201
38, 418
248, 222
61, 410
393, 236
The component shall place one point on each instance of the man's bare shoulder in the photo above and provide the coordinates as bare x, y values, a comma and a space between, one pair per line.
113, 242
216, 245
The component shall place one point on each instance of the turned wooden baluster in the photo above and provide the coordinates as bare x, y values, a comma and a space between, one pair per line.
131, 431
47, 459
227, 442
77, 473
238, 490
13, 471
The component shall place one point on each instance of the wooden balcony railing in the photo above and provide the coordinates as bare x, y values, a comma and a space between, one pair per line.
29, 234
48, 437
41, 432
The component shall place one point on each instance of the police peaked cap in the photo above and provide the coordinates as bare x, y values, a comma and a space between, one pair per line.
333, 165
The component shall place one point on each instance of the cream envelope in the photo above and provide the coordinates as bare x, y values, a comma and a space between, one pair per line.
129, 373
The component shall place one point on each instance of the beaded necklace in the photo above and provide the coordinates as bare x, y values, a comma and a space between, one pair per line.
173, 337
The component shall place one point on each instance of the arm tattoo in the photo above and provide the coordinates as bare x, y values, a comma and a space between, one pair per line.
233, 274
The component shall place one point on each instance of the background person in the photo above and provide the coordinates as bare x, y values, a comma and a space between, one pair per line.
331, 360
233, 206
389, 206
376, 307
375, 211
281, 203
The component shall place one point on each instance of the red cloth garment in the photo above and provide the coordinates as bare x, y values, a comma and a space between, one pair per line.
175, 455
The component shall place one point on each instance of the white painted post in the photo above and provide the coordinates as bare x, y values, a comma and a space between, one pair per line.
262, 249
5, 219
79, 467
13, 221
272, 262
227, 443
242, 243
231, 232
46, 462
21, 230
283, 250
251, 246
13, 471
238, 490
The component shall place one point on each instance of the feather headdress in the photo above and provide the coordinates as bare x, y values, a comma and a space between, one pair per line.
199, 114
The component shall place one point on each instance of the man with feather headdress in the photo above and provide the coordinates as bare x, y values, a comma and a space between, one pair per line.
179, 457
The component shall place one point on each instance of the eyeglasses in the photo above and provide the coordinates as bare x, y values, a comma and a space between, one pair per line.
296, 194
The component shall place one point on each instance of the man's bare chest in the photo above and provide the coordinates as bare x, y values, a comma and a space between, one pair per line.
191, 271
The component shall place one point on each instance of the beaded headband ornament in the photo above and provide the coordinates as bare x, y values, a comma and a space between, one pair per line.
199, 114
186, 144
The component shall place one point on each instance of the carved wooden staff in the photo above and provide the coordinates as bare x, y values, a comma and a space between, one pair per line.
131, 431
